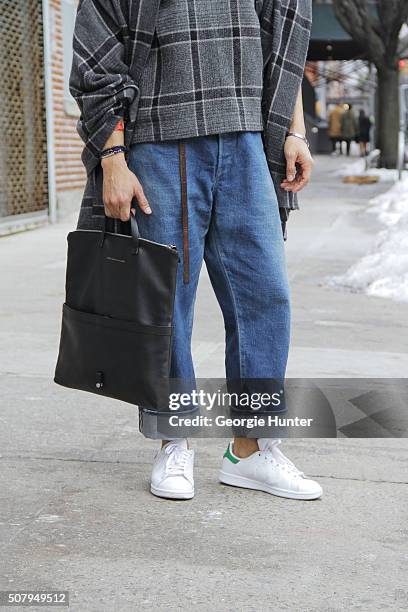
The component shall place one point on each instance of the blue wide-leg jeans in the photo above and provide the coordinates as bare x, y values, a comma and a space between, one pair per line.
234, 226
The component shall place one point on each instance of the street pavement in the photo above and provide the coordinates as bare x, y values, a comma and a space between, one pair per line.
75, 509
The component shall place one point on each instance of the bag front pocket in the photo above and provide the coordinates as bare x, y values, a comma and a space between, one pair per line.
115, 358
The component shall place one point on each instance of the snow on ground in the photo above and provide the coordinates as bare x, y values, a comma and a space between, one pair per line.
384, 272
358, 168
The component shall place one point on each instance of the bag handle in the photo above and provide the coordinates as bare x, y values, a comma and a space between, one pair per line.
133, 223
134, 228
135, 233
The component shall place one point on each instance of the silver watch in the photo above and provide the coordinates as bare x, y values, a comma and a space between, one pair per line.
297, 135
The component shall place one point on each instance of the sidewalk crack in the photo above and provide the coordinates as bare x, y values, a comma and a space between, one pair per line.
107, 461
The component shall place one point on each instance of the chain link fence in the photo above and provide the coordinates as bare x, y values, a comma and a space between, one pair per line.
23, 146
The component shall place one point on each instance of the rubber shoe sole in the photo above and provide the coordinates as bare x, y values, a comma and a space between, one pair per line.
248, 483
171, 494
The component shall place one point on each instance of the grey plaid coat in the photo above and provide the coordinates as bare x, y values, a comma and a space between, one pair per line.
112, 41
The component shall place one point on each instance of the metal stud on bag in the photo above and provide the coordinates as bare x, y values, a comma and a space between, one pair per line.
99, 380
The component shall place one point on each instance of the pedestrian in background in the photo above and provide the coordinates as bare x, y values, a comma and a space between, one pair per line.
349, 127
335, 127
364, 127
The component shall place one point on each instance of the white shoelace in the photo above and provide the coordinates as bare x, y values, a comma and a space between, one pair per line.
177, 459
280, 459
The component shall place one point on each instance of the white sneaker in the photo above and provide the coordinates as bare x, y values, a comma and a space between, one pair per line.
172, 473
268, 470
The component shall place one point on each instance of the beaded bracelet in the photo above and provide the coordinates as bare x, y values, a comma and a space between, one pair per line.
113, 151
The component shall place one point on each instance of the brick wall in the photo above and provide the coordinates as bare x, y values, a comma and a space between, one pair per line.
68, 145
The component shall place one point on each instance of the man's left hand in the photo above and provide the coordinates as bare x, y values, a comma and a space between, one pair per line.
299, 164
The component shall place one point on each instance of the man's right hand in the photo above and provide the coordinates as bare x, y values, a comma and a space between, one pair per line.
120, 186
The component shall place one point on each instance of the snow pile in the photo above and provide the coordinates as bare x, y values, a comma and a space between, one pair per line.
358, 168
384, 273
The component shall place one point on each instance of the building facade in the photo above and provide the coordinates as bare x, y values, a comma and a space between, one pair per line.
70, 174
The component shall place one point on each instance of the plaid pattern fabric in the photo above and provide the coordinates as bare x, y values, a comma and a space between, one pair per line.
112, 42
285, 31
204, 71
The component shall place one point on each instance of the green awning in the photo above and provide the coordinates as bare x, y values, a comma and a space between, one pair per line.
325, 25
329, 41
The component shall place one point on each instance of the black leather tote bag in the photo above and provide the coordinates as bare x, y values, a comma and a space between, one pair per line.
117, 318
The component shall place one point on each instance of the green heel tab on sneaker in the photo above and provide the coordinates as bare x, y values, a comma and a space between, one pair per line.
230, 456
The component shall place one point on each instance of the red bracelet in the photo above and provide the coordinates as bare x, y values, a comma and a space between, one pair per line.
120, 127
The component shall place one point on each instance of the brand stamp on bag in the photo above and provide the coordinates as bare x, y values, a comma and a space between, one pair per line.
117, 260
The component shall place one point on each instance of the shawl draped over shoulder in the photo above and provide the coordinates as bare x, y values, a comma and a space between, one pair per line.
112, 40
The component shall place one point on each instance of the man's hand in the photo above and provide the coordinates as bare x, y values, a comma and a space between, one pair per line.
299, 164
120, 186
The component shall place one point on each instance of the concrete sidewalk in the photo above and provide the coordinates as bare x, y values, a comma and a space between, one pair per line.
75, 510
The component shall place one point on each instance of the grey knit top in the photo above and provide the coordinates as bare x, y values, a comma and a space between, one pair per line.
204, 71
112, 43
